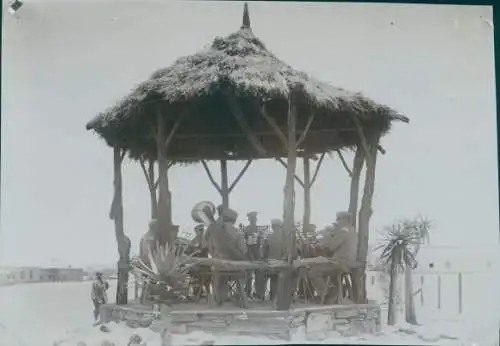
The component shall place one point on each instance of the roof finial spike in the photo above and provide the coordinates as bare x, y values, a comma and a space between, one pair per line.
246, 18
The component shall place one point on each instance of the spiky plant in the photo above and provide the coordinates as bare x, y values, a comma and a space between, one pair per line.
421, 227
166, 265
397, 253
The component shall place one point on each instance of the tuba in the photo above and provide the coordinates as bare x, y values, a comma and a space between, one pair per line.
204, 212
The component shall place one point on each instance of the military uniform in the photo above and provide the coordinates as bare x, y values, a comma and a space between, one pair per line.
225, 242
338, 242
254, 245
199, 248
274, 248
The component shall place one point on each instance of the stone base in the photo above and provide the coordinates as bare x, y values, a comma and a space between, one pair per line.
313, 322
134, 314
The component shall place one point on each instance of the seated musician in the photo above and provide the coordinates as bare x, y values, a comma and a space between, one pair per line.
198, 248
225, 242
338, 242
343, 239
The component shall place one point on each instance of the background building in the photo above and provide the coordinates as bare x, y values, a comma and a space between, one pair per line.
10, 275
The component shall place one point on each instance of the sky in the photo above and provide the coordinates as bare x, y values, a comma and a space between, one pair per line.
63, 62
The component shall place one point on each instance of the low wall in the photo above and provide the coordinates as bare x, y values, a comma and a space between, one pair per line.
134, 314
311, 322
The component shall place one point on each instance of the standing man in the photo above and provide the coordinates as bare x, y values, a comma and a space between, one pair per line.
199, 243
199, 248
273, 248
98, 293
254, 243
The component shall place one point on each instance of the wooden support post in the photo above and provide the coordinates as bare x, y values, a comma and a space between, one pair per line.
168, 231
149, 174
460, 298
283, 163
365, 214
356, 175
224, 186
307, 182
122, 241
439, 291
289, 194
422, 290
286, 278
152, 189
164, 195
306, 220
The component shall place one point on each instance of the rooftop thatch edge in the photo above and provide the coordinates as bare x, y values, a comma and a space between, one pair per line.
241, 65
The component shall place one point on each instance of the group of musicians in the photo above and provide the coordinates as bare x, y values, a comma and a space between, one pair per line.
251, 243
219, 237
256, 246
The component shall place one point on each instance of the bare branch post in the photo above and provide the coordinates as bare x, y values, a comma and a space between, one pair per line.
240, 175
365, 214
359, 160
224, 186
121, 240
211, 177
149, 174
344, 163
306, 220
306, 130
286, 278
316, 171
296, 177
164, 194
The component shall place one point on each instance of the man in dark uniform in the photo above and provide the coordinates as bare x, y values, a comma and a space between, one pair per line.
225, 241
274, 248
338, 241
254, 245
199, 248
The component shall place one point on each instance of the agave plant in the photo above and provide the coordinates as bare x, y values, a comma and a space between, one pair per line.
167, 265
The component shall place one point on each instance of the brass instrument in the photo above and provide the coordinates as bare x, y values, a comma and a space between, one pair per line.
204, 212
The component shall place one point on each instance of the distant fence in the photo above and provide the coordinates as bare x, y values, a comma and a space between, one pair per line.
450, 292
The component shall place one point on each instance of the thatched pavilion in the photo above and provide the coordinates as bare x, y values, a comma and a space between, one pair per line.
235, 100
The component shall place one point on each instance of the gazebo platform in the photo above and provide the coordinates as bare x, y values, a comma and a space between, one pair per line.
311, 321
134, 314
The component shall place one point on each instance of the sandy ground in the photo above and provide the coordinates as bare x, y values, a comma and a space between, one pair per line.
41, 314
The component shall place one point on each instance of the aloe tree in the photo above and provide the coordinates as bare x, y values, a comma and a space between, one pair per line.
397, 253
420, 227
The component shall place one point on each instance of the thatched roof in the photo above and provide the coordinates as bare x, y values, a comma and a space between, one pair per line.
241, 67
